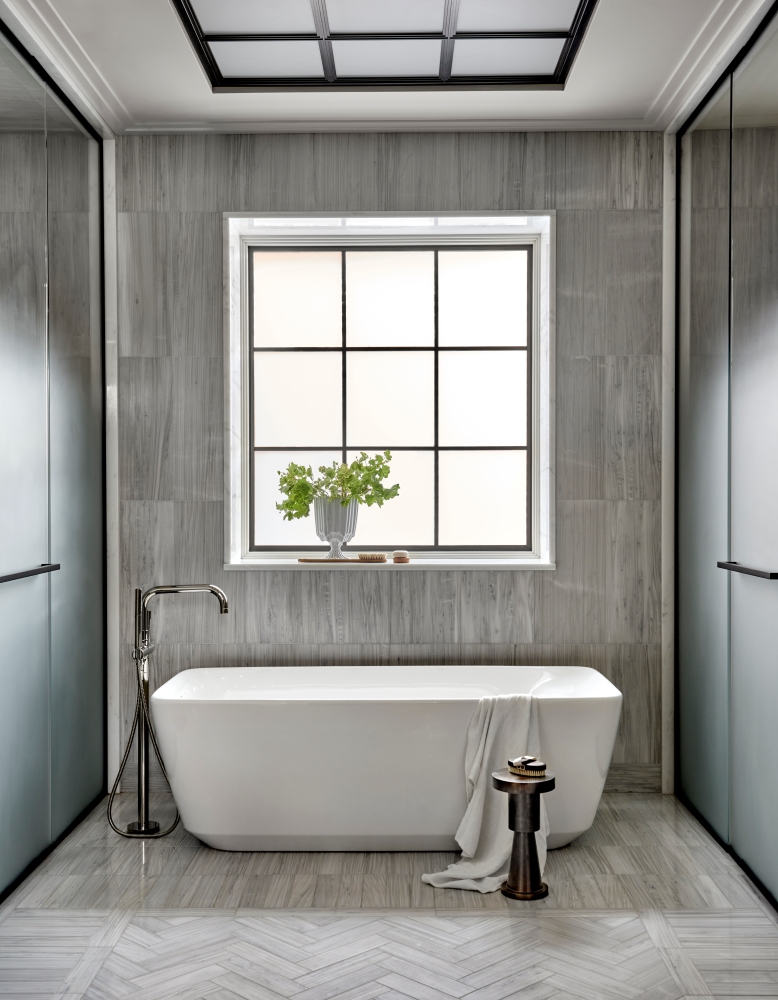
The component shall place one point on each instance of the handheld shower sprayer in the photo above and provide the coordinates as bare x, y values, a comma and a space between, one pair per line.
145, 827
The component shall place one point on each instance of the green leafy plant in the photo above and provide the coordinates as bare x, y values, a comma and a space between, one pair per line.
361, 481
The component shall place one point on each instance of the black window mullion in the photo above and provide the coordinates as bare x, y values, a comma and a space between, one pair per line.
343, 347
436, 447
252, 450
389, 348
393, 447
529, 486
436, 452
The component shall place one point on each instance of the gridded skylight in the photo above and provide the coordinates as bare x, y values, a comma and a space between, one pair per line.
374, 43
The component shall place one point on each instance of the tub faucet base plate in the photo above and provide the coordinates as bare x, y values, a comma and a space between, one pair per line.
136, 830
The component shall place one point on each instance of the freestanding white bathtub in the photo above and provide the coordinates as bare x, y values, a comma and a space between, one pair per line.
365, 758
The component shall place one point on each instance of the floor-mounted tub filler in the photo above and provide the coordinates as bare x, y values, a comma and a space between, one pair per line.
365, 758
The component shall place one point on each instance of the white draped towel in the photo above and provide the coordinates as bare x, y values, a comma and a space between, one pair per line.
502, 727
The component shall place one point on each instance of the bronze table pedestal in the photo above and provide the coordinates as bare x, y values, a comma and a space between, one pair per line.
524, 880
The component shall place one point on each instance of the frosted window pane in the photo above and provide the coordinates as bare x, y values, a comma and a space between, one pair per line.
482, 397
506, 56
268, 59
255, 17
376, 16
409, 57
408, 519
298, 399
471, 510
390, 299
390, 399
270, 528
508, 15
482, 298
297, 300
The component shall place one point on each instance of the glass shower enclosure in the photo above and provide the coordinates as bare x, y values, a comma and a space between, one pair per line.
728, 459
51, 467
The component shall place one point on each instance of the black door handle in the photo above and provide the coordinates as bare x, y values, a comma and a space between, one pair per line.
43, 568
734, 567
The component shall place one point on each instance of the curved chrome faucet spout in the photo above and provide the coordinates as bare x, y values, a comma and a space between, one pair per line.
184, 588
146, 827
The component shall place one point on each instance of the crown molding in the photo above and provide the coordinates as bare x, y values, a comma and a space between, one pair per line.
730, 25
284, 125
45, 35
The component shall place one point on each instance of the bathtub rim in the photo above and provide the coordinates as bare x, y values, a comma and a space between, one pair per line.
607, 691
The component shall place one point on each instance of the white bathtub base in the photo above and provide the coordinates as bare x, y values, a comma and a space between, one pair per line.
340, 843
365, 758
318, 842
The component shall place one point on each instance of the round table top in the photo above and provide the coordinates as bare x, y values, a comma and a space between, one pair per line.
505, 780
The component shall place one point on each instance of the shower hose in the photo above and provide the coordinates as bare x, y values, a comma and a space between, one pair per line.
141, 705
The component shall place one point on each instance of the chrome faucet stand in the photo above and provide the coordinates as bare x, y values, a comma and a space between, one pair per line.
145, 827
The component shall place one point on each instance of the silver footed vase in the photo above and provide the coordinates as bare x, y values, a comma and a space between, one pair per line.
335, 523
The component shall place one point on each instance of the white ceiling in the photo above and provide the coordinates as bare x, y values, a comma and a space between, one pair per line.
640, 65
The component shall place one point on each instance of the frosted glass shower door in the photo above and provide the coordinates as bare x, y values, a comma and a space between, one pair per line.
703, 467
75, 468
24, 540
754, 458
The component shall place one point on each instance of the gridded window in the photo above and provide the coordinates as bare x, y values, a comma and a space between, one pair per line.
423, 351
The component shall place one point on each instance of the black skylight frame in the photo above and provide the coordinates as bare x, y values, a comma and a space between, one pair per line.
448, 37
344, 349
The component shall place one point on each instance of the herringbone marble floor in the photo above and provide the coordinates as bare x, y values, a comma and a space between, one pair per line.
645, 906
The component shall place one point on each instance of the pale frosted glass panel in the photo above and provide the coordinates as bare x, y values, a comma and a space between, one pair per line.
482, 397
268, 59
408, 519
510, 15
390, 299
298, 399
470, 512
298, 300
255, 17
24, 717
390, 399
415, 57
702, 628
754, 462
75, 475
270, 528
506, 56
376, 16
482, 298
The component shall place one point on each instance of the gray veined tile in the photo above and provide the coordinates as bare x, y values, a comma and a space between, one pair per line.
632, 447
633, 577
633, 283
86, 968
170, 284
499, 968
581, 300
495, 607
570, 603
659, 930
337, 969
580, 427
635, 670
411, 987
446, 984
684, 972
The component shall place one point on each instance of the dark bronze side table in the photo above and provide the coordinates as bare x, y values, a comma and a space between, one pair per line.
524, 880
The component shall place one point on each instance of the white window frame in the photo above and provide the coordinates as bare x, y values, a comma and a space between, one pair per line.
244, 230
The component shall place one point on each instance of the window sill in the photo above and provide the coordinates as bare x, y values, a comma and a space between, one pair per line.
517, 563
